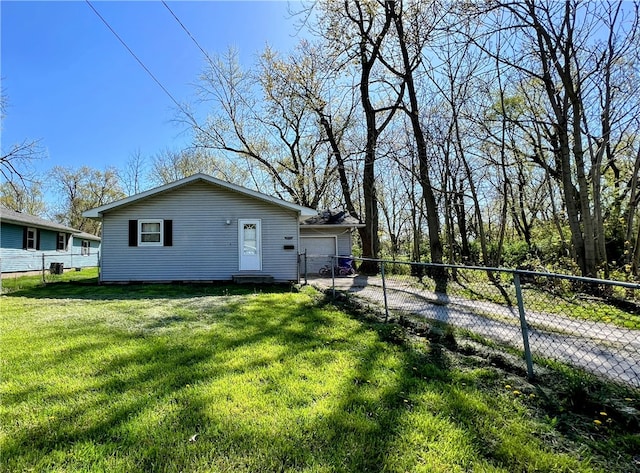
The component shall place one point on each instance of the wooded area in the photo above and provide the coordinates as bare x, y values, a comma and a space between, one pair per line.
498, 133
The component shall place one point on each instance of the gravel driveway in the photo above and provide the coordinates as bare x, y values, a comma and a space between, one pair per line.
603, 349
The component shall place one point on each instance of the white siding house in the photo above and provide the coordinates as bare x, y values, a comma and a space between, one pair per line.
200, 229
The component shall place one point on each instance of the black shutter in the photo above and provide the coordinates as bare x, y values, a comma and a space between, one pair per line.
168, 233
24, 238
133, 233
38, 239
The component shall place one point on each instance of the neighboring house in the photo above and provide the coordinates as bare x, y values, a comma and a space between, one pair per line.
29, 243
327, 233
200, 229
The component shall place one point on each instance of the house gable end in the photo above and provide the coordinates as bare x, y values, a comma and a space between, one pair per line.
196, 178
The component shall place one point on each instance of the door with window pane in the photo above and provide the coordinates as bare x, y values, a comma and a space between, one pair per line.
250, 244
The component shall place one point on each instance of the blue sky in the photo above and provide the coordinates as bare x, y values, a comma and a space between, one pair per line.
72, 84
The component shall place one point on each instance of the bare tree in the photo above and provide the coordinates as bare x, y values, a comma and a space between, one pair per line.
411, 42
306, 77
355, 33
168, 166
555, 46
133, 175
16, 159
272, 132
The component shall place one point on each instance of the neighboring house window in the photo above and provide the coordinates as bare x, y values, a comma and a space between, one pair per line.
86, 248
150, 232
61, 245
31, 239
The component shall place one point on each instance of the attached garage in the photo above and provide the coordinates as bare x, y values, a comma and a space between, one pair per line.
318, 250
323, 236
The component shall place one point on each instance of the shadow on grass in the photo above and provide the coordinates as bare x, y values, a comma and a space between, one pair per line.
263, 383
89, 289
142, 394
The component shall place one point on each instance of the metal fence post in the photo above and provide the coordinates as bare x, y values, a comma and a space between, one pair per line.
384, 292
306, 279
523, 325
333, 276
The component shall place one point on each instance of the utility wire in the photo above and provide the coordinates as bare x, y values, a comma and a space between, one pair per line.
188, 32
214, 66
137, 58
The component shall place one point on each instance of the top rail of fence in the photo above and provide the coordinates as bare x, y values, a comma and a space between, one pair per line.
584, 279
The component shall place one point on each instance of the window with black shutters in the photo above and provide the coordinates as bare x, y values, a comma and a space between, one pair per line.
151, 232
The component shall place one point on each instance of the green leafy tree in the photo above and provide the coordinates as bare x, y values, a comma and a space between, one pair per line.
82, 189
25, 197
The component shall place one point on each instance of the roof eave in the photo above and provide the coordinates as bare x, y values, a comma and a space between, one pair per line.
43, 226
86, 236
333, 225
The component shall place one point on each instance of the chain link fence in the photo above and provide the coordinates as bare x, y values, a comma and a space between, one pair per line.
48, 265
590, 324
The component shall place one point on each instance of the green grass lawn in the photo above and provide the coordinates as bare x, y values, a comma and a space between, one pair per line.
169, 378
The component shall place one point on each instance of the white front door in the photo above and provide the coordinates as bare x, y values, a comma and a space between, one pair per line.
250, 244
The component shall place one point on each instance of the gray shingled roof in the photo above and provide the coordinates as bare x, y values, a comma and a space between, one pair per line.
332, 217
20, 218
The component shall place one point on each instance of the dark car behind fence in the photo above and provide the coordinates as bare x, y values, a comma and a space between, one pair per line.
590, 324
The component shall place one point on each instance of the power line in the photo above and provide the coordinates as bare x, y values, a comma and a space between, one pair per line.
137, 58
213, 65
188, 32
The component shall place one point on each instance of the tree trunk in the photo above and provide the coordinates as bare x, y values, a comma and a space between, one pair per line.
369, 233
461, 216
576, 200
635, 265
633, 250
337, 154
433, 219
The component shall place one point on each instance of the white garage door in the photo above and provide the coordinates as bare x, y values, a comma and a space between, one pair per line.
317, 249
